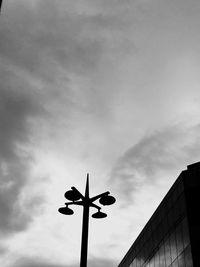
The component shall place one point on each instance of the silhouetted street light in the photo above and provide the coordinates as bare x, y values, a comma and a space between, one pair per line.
77, 198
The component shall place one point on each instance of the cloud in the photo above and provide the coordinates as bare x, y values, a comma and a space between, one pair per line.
67, 47
17, 108
35, 263
164, 151
100, 262
3, 250
96, 262
34, 36
42, 47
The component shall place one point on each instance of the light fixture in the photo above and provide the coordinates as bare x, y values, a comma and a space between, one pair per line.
72, 195
107, 200
99, 215
66, 211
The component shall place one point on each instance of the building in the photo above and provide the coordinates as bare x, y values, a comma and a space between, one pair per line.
172, 235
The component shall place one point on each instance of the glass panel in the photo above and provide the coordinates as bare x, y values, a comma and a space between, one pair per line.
179, 205
136, 248
159, 218
145, 251
167, 253
154, 239
163, 211
170, 218
179, 239
156, 259
159, 233
134, 263
137, 262
174, 195
182, 203
151, 262
175, 263
176, 211
142, 261
162, 255
181, 261
180, 187
165, 225
188, 257
141, 241
185, 233
153, 224
150, 245
169, 201
148, 232
173, 246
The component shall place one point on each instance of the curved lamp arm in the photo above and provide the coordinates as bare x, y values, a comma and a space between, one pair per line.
80, 203
76, 190
98, 196
95, 206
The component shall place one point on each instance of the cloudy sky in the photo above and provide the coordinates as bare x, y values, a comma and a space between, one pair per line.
108, 87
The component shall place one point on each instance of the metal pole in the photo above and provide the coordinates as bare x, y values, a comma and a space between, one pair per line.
85, 226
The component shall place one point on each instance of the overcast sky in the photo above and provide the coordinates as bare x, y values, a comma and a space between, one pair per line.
109, 87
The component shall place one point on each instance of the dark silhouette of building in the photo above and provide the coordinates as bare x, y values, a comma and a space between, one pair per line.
172, 235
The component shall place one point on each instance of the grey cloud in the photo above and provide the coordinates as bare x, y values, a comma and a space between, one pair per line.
17, 108
95, 262
37, 37
3, 250
98, 262
168, 150
33, 263
66, 48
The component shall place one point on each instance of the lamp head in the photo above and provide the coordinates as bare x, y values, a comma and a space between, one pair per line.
99, 215
72, 195
66, 211
107, 200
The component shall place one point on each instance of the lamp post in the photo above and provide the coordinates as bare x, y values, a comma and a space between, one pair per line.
76, 198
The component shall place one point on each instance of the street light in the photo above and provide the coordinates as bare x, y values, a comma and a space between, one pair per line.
77, 198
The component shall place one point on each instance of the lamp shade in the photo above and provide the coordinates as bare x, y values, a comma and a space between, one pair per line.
66, 211
99, 215
107, 200
72, 195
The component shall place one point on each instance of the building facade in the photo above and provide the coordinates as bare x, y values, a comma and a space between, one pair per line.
171, 238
